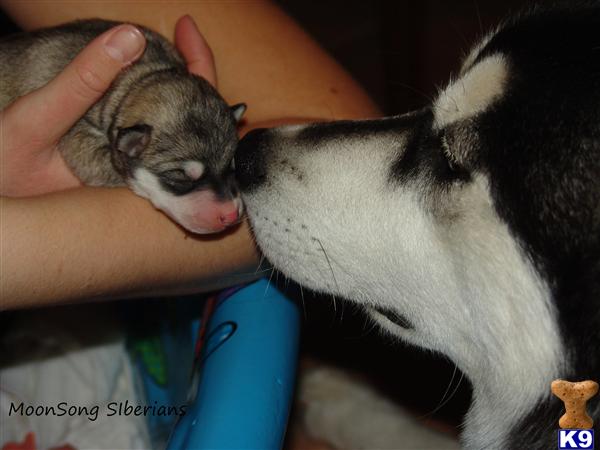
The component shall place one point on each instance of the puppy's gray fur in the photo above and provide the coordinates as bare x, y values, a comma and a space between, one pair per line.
155, 116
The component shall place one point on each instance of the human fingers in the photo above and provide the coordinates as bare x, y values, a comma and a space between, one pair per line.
195, 49
46, 114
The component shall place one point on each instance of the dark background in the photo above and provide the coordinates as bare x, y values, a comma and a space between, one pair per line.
402, 52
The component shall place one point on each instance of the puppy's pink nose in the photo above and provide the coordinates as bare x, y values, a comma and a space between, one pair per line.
230, 217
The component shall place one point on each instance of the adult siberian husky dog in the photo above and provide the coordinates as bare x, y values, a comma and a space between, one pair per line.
470, 227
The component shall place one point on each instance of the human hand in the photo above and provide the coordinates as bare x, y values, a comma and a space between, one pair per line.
32, 126
195, 50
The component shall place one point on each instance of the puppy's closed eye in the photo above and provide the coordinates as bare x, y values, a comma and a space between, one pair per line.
188, 171
178, 181
175, 175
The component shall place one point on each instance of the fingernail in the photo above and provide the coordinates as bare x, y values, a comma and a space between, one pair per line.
125, 44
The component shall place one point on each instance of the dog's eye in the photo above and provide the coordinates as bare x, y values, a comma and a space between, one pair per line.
448, 155
175, 175
453, 165
394, 317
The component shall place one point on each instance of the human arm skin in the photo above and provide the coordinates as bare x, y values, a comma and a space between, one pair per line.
92, 243
108, 243
263, 58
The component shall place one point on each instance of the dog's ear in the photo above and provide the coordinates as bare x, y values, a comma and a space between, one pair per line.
238, 111
133, 140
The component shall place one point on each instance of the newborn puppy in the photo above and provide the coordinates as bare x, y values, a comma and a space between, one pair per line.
162, 131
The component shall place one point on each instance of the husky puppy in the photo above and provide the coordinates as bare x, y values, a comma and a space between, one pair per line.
160, 130
470, 227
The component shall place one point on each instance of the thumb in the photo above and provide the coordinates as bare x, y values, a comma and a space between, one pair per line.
49, 112
195, 50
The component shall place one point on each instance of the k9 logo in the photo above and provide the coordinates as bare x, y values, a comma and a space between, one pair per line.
568, 439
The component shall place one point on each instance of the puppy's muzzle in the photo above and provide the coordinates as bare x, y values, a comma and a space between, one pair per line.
250, 167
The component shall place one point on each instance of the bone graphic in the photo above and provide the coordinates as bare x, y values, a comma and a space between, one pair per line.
575, 397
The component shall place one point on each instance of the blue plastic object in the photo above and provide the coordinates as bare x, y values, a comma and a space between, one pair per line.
245, 373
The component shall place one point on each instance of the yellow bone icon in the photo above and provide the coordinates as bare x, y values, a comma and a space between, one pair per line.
575, 396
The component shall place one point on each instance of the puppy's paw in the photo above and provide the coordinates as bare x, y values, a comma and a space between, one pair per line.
352, 415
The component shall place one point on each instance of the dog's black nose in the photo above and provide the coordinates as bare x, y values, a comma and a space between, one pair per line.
250, 169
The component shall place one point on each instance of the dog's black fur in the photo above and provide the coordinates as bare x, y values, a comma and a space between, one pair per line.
543, 139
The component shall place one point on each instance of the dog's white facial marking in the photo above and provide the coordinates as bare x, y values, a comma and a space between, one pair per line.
146, 184
193, 169
330, 219
199, 211
473, 92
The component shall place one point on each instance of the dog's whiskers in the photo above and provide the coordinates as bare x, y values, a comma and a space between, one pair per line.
332, 273
368, 320
255, 272
427, 97
269, 283
303, 302
260, 262
445, 400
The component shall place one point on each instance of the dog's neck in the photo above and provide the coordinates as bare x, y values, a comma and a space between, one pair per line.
505, 414
500, 405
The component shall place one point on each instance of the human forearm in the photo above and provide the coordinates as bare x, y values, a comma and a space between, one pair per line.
263, 58
108, 243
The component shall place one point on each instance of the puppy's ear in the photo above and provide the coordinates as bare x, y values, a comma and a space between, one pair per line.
238, 111
133, 140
